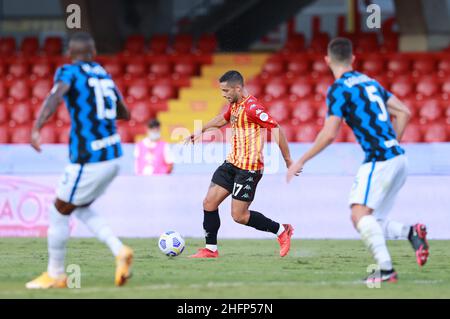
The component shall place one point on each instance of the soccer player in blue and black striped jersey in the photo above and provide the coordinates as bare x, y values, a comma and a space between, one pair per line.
94, 103
367, 108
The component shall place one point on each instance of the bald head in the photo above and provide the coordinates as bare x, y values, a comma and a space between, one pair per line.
82, 46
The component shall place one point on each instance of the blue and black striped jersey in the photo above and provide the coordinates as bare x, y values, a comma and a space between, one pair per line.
91, 101
361, 101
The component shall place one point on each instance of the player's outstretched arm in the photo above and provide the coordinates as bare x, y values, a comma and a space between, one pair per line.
48, 108
325, 137
281, 140
215, 123
122, 111
401, 115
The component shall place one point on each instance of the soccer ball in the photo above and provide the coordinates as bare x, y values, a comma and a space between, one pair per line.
171, 243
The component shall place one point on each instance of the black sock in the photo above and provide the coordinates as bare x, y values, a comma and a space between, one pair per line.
261, 222
211, 225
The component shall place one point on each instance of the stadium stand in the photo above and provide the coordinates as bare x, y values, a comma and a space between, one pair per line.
175, 80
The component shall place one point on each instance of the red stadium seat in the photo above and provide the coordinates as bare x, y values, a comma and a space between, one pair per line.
412, 134
41, 70
62, 115
430, 111
3, 69
53, 46
273, 68
135, 44
254, 88
63, 134
135, 69
7, 46
207, 43
19, 90
423, 66
427, 87
289, 131
306, 133
159, 44
141, 112
185, 69
4, 117
279, 110
162, 92
302, 112
18, 69
319, 43
41, 89
445, 89
298, 67
295, 43
125, 136
20, 134
390, 42
48, 135
301, 88
435, 133
402, 88
444, 67
160, 69
182, 43
322, 86
29, 46
398, 66
366, 42
4, 134
138, 90
319, 68
21, 113
114, 68
2, 90
275, 89
373, 66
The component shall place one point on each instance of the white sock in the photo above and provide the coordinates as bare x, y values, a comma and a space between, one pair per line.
98, 226
57, 236
373, 237
394, 230
280, 230
213, 248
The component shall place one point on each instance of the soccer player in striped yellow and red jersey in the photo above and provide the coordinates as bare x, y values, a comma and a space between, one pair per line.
240, 173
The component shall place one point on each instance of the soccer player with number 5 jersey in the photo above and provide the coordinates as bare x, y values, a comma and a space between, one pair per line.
367, 107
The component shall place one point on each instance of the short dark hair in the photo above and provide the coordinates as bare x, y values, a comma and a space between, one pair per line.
340, 49
153, 123
232, 77
81, 36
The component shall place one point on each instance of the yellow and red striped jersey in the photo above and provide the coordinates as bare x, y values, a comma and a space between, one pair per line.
248, 119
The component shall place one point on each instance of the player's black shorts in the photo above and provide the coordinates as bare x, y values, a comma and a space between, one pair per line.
239, 182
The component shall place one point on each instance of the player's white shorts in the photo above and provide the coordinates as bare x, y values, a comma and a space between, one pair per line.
376, 185
81, 184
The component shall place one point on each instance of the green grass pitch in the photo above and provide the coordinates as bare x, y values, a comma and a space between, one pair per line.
245, 269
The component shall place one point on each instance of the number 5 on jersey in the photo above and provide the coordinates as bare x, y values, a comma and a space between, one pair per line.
371, 90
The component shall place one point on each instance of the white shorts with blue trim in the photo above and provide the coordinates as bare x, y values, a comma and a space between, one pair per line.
81, 184
377, 184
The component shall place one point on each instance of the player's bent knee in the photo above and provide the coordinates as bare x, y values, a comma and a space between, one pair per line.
63, 207
240, 217
359, 211
209, 205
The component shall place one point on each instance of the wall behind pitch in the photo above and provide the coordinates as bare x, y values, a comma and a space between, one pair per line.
315, 203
